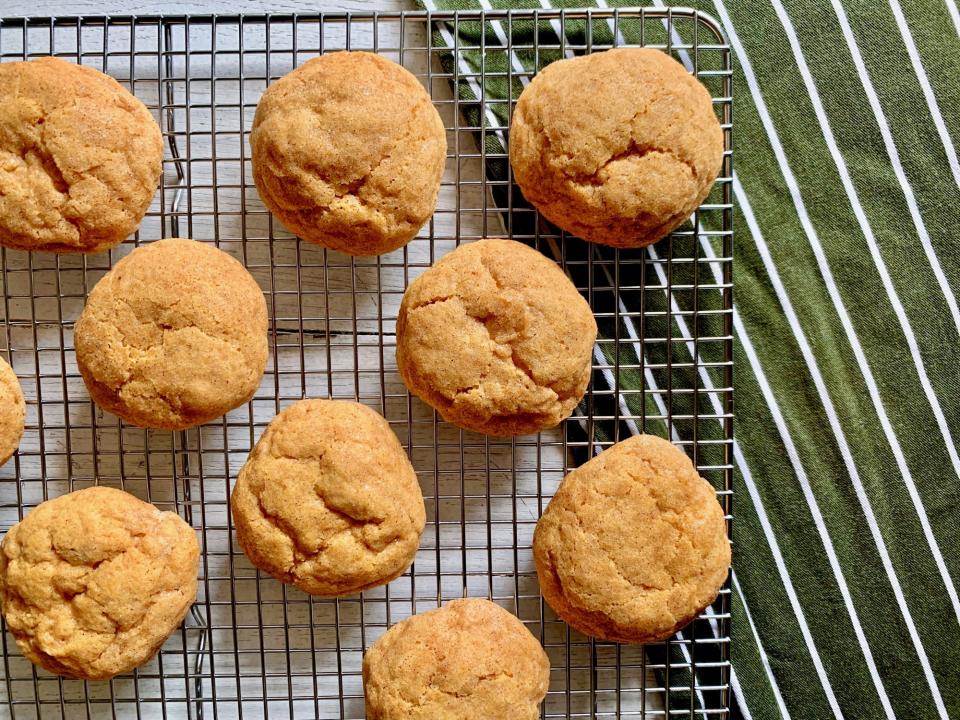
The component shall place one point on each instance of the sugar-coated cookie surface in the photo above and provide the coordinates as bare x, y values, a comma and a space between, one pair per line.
468, 660
618, 147
633, 546
80, 157
173, 336
92, 583
13, 411
328, 500
496, 338
348, 152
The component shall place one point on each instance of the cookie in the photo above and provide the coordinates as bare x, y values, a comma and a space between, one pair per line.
328, 501
80, 158
496, 339
348, 152
618, 147
634, 544
92, 583
468, 660
174, 336
13, 411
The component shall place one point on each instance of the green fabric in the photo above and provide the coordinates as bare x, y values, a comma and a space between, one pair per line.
846, 524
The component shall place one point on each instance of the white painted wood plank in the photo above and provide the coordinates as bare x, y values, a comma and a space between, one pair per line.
17, 8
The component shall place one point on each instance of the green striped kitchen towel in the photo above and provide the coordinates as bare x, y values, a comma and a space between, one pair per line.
847, 184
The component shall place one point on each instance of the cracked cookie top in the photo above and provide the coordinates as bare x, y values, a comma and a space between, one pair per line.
467, 659
328, 500
618, 147
496, 338
348, 152
80, 158
92, 583
173, 336
13, 410
633, 546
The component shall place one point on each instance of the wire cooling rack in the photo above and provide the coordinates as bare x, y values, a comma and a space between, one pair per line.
252, 647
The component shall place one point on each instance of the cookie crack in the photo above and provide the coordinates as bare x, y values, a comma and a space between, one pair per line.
70, 600
352, 521
515, 359
518, 361
432, 686
354, 187
119, 630
434, 301
49, 164
637, 150
601, 617
71, 224
669, 516
357, 522
634, 148
493, 276
466, 390
302, 553
524, 367
644, 587
161, 326
96, 564
166, 330
46, 162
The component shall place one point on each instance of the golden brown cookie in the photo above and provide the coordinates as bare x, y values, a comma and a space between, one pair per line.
468, 660
92, 583
80, 158
618, 147
13, 411
496, 338
634, 545
348, 152
328, 500
174, 336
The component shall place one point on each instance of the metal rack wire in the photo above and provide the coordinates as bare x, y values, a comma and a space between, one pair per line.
252, 647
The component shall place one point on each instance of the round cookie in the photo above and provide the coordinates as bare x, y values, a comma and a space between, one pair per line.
496, 338
13, 410
174, 336
348, 152
467, 659
80, 158
618, 147
328, 500
634, 545
92, 583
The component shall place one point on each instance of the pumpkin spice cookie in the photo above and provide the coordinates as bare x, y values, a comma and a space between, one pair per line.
328, 500
93, 582
13, 411
496, 338
348, 152
618, 147
468, 659
80, 158
173, 336
633, 546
